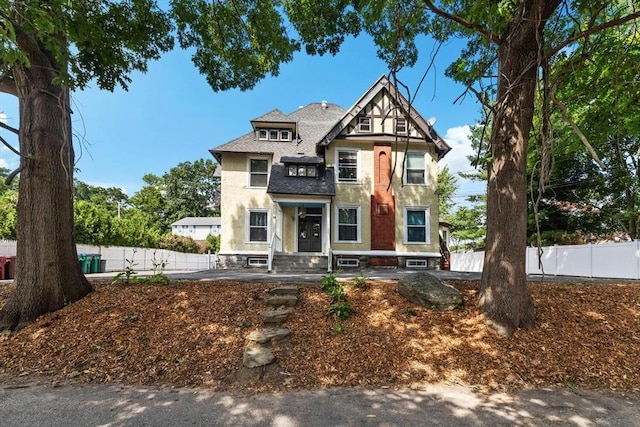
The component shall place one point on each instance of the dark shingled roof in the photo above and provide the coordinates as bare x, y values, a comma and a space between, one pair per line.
314, 122
273, 116
322, 185
305, 160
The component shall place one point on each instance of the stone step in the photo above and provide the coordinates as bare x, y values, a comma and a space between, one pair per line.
302, 263
284, 290
281, 300
262, 336
274, 316
256, 355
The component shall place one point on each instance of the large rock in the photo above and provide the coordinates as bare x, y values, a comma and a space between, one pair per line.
264, 335
427, 290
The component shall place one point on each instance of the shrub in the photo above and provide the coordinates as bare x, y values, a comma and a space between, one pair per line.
179, 244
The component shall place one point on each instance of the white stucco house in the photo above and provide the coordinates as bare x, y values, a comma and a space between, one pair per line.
198, 228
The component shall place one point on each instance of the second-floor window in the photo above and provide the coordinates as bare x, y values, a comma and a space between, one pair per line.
259, 170
416, 169
347, 165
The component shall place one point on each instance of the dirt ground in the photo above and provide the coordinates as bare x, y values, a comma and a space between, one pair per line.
192, 334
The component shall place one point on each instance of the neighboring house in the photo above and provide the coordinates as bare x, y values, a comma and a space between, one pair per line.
198, 228
356, 187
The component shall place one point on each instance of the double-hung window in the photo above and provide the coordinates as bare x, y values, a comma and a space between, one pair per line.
258, 225
347, 161
416, 169
258, 172
417, 225
348, 224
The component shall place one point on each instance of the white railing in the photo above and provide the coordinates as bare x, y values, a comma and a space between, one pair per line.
275, 239
115, 257
606, 260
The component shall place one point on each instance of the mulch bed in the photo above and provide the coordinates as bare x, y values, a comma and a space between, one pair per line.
192, 334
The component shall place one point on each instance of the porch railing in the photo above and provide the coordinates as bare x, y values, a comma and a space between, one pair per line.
272, 250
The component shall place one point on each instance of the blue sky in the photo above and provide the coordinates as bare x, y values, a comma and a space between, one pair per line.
170, 115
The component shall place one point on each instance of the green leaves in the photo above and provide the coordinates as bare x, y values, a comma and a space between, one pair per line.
236, 43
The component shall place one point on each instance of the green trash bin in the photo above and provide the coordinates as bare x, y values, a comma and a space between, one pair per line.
85, 263
95, 263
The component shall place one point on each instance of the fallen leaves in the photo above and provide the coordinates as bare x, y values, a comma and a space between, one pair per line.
193, 335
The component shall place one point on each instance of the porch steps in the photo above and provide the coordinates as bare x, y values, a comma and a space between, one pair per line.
304, 263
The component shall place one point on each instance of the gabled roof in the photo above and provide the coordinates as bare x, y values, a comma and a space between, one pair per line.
382, 84
198, 220
313, 122
274, 116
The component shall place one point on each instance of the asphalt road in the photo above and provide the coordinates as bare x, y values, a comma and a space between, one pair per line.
108, 405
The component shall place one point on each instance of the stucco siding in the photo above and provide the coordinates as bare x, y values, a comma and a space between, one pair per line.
236, 200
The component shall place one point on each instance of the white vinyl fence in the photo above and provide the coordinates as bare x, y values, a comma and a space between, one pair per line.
607, 260
115, 257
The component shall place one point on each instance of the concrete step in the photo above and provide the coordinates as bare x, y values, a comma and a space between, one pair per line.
301, 263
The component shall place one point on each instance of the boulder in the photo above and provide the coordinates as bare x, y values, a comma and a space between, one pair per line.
274, 316
284, 290
281, 300
427, 290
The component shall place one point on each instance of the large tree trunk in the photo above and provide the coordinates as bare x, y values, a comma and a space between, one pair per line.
48, 274
504, 297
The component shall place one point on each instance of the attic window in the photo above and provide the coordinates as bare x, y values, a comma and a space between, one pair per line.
364, 124
262, 134
401, 125
285, 135
274, 135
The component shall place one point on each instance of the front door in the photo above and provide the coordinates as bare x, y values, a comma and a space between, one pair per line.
310, 234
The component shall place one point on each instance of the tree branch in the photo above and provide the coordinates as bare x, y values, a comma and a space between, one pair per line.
8, 84
592, 31
467, 24
9, 128
12, 175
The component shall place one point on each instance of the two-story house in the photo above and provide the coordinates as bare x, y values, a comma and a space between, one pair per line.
352, 187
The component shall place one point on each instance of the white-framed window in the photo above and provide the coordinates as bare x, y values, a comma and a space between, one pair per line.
258, 172
349, 223
285, 135
364, 124
401, 125
263, 134
274, 135
258, 225
416, 168
416, 224
347, 161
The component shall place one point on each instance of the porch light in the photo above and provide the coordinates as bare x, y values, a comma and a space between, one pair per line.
302, 212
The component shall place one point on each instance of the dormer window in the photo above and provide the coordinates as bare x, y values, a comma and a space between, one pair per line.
302, 170
364, 124
274, 134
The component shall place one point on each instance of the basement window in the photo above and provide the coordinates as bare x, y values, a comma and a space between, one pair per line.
416, 263
257, 262
348, 262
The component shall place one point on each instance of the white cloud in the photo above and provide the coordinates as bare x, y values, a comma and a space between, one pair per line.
459, 139
3, 163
